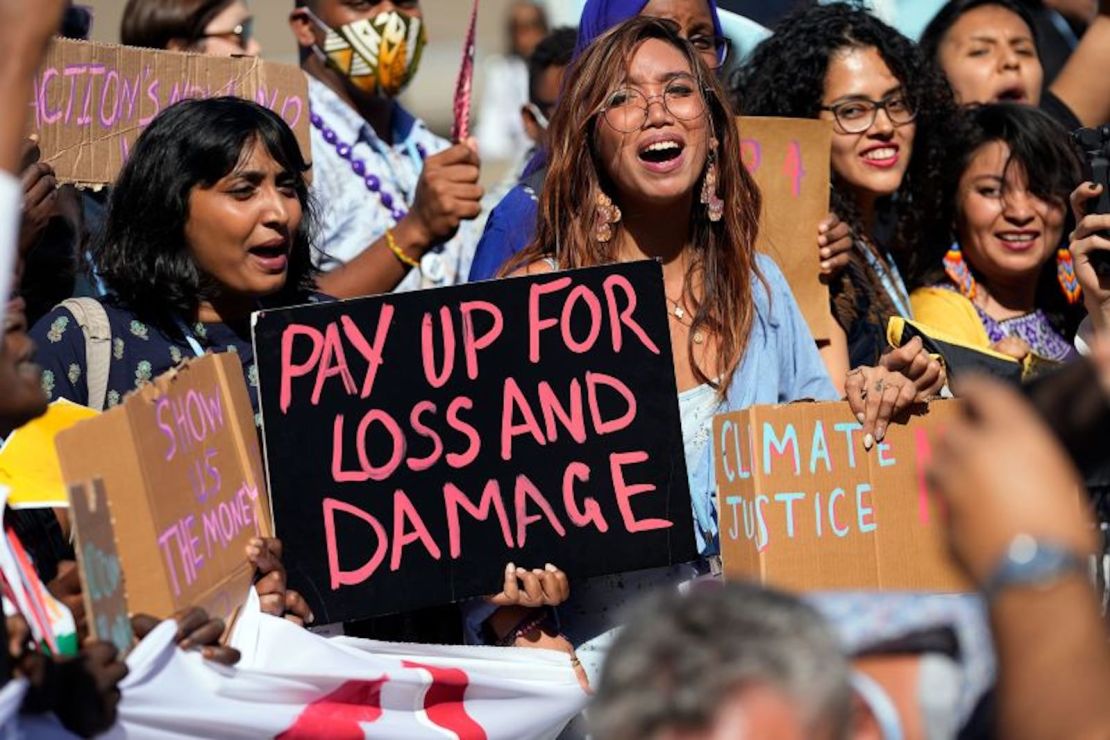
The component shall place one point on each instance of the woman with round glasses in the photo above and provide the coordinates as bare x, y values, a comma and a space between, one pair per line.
512, 223
890, 113
645, 164
213, 27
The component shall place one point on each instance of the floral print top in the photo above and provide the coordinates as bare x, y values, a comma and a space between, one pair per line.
141, 351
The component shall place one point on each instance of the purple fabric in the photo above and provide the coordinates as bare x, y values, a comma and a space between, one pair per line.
598, 16
1035, 330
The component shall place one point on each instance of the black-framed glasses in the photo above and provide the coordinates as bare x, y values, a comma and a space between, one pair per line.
626, 109
856, 115
714, 49
242, 33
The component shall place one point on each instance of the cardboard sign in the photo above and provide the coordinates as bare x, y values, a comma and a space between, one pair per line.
803, 506
418, 442
789, 159
179, 460
91, 101
104, 584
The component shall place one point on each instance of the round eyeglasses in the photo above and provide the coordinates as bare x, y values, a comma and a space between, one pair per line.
626, 110
856, 115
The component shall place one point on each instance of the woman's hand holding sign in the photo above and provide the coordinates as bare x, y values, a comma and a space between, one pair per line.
532, 588
904, 376
834, 243
524, 617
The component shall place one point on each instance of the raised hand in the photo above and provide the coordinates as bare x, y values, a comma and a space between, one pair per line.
447, 194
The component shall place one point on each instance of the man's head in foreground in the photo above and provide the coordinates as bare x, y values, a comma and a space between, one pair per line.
736, 661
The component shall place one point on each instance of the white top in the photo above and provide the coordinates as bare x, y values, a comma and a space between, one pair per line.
500, 131
11, 202
351, 216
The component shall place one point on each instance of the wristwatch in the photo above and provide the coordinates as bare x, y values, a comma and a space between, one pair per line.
1032, 562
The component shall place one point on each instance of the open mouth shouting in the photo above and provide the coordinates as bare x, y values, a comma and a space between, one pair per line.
271, 256
1014, 93
662, 154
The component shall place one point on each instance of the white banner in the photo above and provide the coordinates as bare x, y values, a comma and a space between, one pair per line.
293, 684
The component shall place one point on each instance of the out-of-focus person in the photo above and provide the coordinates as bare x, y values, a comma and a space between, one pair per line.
505, 85
545, 79
53, 224
78, 683
1017, 524
989, 51
546, 68
1059, 25
397, 202
216, 27
1090, 248
24, 38
730, 661
1008, 282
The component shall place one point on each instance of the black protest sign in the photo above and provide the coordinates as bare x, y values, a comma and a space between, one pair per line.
418, 442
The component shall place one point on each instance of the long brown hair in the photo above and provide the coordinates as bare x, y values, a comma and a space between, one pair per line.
722, 252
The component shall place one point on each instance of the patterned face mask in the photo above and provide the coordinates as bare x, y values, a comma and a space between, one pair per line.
379, 54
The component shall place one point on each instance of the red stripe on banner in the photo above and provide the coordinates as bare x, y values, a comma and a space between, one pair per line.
341, 714
444, 701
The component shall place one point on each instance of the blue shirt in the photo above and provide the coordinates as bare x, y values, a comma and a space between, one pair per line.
509, 229
141, 351
781, 364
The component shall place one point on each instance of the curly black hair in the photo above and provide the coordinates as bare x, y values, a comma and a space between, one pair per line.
1043, 150
785, 76
142, 254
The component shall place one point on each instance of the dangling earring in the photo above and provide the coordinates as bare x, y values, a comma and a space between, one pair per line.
1065, 274
607, 214
715, 207
958, 272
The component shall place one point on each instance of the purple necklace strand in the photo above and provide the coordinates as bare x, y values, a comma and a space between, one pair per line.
372, 182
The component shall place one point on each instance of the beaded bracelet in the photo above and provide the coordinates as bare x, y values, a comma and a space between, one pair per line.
398, 252
531, 622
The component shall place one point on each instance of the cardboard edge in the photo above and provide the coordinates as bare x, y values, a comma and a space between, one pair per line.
236, 384
264, 447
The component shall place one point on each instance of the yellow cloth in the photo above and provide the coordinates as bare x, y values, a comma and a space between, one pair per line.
29, 462
950, 314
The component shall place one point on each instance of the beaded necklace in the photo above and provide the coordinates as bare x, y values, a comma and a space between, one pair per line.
372, 182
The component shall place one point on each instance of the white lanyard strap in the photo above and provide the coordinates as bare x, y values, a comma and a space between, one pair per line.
891, 279
190, 337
